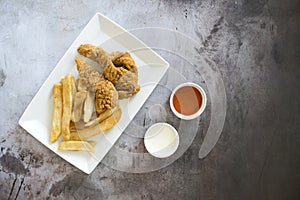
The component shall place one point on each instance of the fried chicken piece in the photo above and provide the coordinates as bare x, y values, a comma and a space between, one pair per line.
96, 54
126, 86
88, 75
124, 60
100, 56
113, 74
106, 96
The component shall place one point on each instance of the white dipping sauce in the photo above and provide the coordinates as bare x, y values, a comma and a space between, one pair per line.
161, 140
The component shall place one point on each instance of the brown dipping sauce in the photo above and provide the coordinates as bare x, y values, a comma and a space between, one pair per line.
187, 100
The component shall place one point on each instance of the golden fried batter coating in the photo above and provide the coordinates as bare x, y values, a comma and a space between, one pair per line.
124, 60
106, 96
113, 74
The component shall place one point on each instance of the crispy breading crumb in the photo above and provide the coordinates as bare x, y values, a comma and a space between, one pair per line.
106, 96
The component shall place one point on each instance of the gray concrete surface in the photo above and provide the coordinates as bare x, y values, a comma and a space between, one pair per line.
255, 45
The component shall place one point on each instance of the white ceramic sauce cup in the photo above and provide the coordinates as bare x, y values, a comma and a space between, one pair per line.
201, 109
161, 140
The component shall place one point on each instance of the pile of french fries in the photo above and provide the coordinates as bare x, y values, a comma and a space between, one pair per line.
74, 117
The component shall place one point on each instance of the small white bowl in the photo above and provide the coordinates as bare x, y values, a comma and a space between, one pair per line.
199, 112
161, 140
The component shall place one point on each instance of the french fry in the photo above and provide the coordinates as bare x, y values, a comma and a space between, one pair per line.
78, 104
67, 106
89, 106
74, 136
78, 125
74, 126
73, 91
76, 83
57, 112
93, 143
94, 115
95, 130
81, 85
101, 117
76, 146
72, 84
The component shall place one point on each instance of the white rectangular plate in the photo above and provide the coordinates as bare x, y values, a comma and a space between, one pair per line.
100, 30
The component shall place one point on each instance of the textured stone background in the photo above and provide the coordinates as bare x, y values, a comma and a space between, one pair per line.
255, 44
